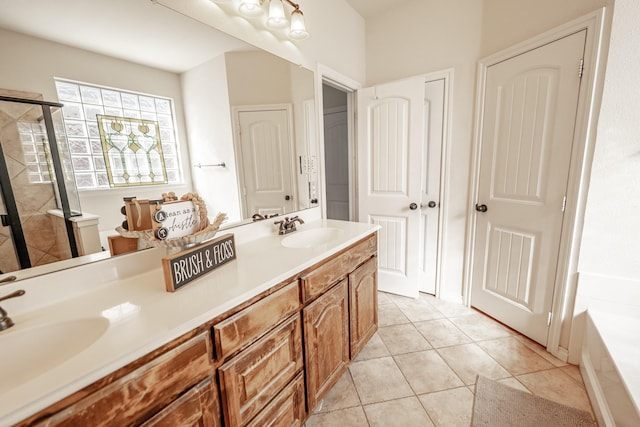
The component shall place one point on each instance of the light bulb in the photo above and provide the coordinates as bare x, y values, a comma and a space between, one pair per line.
250, 8
298, 29
277, 18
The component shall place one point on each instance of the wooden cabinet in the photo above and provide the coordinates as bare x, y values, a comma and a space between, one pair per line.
247, 325
363, 305
251, 379
287, 408
153, 388
325, 275
197, 407
326, 341
267, 362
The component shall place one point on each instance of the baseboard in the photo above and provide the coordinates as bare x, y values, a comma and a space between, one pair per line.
596, 396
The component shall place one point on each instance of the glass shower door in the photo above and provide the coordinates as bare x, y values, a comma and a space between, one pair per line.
31, 235
12, 256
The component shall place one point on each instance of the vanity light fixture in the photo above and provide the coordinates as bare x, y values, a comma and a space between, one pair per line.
276, 16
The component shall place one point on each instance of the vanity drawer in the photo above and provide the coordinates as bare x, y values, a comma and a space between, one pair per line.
197, 407
253, 377
249, 324
143, 392
320, 279
286, 410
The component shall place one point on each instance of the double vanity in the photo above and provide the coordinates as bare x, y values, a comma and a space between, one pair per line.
257, 342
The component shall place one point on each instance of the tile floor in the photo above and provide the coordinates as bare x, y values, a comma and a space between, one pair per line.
420, 368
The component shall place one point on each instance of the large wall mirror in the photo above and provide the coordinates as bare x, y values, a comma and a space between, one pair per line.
244, 120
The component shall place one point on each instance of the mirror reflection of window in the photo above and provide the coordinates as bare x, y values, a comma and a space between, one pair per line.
84, 103
33, 137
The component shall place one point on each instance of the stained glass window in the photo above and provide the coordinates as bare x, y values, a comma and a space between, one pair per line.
93, 166
133, 151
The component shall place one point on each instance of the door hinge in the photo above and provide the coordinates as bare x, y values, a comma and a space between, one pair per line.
564, 203
581, 68
549, 319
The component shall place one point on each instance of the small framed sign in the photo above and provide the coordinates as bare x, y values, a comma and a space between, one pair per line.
188, 265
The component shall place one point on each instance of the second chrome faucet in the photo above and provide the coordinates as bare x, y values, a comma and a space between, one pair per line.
288, 225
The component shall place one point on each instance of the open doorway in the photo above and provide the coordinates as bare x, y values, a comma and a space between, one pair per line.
338, 157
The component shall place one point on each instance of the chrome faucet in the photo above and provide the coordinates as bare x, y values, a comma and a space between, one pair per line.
5, 320
288, 225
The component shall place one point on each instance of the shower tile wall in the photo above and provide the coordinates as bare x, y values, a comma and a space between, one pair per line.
45, 243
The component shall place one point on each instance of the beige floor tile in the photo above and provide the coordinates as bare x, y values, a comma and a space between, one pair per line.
383, 298
399, 299
378, 380
418, 310
514, 356
449, 408
442, 333
401, 339
390, 314
350, 417
574, 372
448, 308
469, 360
480, 327
398, 413
342, 395
556, 385
374, 349
512, 382
426, 372
540, 350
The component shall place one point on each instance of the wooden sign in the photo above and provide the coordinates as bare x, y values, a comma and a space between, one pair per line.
186, 266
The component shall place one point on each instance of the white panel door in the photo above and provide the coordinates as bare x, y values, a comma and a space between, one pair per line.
265, 151
390, 152
430, 197
528, 125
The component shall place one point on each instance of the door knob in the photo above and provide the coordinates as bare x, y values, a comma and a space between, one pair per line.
432, 204
481, 208
413, 206
287, 197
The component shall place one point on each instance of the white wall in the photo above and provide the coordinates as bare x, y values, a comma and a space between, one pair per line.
30, 64
257, 78
611, 235
507, 22
208, 119
610, 247
305, 132
424, 36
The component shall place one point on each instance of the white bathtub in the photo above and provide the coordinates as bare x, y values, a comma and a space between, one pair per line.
610, 366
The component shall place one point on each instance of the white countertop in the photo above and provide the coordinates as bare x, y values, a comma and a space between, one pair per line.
142, 316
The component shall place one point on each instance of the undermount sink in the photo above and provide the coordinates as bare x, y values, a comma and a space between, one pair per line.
311, 238
26, 354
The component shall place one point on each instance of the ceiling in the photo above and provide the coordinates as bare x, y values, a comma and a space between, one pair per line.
369, 8
164, 38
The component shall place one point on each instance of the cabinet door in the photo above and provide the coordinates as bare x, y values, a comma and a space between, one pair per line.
363, 304
196, 408
326, 341
251, 379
